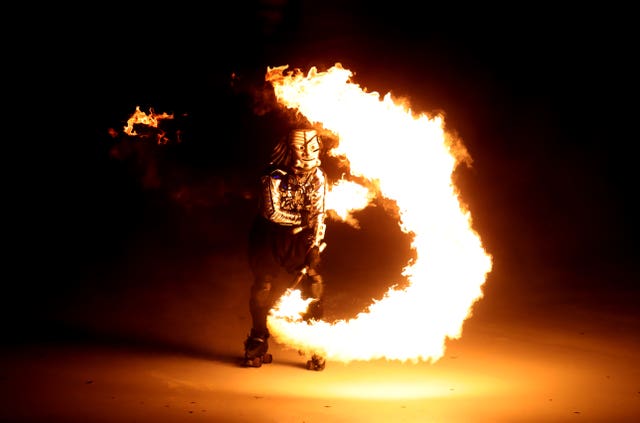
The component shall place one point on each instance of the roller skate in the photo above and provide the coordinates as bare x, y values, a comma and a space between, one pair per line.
255, 350
316, 363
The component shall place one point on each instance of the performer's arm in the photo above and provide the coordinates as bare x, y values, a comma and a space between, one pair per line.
317, 212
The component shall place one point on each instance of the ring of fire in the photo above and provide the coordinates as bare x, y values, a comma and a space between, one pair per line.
388, 145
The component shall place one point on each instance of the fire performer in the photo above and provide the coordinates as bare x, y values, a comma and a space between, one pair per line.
287, 235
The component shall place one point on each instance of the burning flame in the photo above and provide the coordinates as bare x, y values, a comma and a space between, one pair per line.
151, 120
346, 197
410, 159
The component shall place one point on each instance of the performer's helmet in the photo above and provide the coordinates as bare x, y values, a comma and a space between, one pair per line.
300, 150
305, 145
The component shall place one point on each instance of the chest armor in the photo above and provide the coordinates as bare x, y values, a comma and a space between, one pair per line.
296, 193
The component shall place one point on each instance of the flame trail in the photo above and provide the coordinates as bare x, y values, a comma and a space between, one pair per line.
411, 160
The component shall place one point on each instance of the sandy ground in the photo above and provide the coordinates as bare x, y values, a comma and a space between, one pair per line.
171, 354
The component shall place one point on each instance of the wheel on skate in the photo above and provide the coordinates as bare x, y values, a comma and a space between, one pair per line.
316, 363
258, 361
253, 362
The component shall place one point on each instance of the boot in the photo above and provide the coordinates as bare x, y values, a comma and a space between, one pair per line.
256, 347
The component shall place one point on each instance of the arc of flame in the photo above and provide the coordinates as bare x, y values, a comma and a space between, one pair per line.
410, 159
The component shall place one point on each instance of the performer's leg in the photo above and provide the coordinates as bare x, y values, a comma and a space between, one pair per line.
315, 311
257, 344
315, 290
260, 303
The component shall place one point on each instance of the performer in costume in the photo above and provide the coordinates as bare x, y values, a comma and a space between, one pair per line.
287, 233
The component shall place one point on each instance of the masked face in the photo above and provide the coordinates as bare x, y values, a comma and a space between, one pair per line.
305, 145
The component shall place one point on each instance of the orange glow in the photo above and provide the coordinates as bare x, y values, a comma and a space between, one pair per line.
409, 159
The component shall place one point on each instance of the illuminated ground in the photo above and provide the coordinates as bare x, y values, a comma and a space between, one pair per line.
170, 354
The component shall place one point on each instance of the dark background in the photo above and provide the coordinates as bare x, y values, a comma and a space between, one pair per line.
542, 97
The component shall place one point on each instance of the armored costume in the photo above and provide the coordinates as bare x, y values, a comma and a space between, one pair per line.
287, 235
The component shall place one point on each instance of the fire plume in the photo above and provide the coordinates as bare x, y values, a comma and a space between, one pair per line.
409, 158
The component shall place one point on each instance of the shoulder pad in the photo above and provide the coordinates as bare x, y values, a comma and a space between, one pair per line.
277, 173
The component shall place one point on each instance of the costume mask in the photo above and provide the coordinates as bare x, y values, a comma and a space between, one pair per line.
305, 144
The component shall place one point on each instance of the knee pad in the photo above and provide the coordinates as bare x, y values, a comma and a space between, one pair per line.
316, 287
315, 310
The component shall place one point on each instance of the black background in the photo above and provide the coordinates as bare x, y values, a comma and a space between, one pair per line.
542, 97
